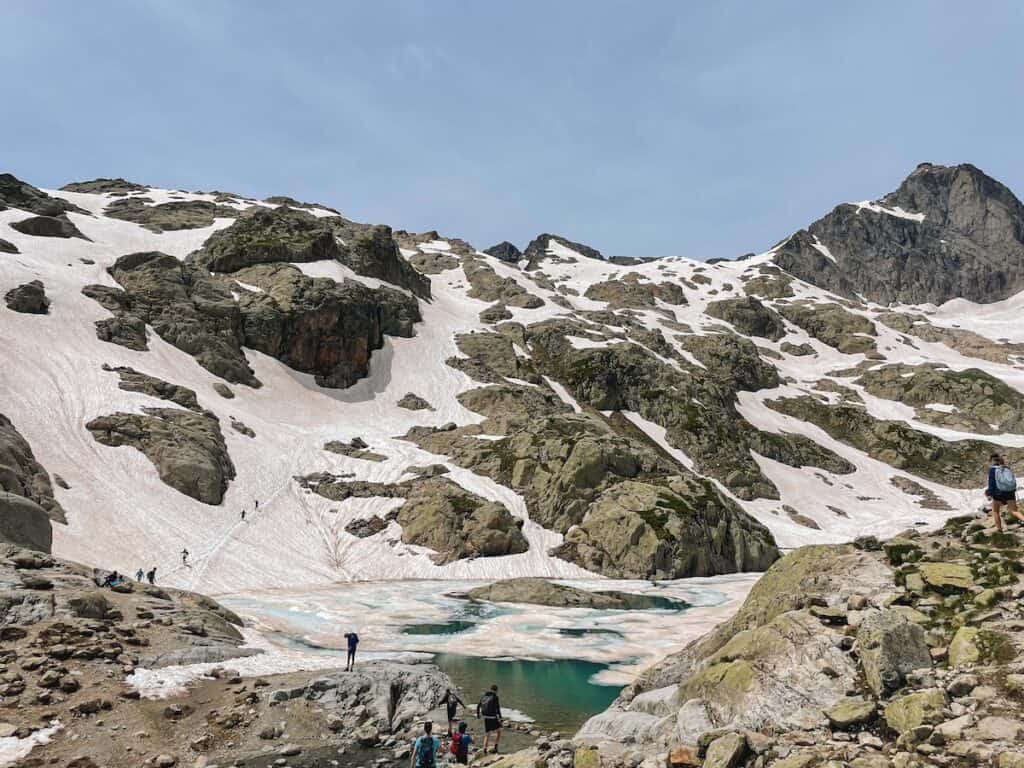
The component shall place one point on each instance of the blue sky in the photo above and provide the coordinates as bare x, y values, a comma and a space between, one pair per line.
643, 128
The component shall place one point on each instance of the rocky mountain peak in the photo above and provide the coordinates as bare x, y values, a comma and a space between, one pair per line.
540, 249
947, 232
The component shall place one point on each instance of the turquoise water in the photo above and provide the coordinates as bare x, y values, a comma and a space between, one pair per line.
557, 694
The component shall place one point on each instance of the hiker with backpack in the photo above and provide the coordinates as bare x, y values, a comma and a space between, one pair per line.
1002, 490
424, 750
151, 575
489, 707
353, 641
451, 703
460, 744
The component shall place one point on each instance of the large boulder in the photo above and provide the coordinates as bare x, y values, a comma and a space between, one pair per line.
890, 647
47, 226
187, 448
15, 193
22, 476
681, 529
537, 591
748, 316
25, 523
29, 298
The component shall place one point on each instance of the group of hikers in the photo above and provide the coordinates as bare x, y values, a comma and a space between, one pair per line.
185, 553
114, 579
427, 746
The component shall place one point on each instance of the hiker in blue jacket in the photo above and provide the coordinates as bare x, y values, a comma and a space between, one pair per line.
1002, 490
353, 641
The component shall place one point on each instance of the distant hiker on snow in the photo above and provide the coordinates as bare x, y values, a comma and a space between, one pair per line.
1002, 490
490, 709
184, 557
451, 702
424, 750
353, 641
139, 575
151, 576
243, 514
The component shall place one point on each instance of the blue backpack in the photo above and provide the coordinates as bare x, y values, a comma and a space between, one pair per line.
1005, 481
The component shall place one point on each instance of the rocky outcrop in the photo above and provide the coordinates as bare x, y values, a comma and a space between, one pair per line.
491, 358
748, 316
505, 251
487, 285
538, 250
896, 443
634, 292
534, 591
356, 448
831, 324
947, 232
29, 298
6, 246
685, 527
438, 514
977, 401
697, 411
15, 193
104, 187
413, 402
187, 448
26, 489
318, 326
732, 360
184, 305
133, 381
47, 226
284, 234
169, 216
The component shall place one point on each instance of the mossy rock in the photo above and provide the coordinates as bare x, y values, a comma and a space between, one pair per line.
913, 710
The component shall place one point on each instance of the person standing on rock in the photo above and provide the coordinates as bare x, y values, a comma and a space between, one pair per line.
424, 751
151, 575
451, 702
139, 575
184, 557
353, 641
489, 708
1002, 490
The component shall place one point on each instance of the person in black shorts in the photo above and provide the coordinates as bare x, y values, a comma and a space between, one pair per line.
451, 702
1002, 490
489, 708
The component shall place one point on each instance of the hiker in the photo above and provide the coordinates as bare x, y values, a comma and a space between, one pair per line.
1002, 489
257, 504
111, 579
451, 701
353, 641
139, 575
243, 514
460, 744
151, 575
424, 751
489, 708
184, 557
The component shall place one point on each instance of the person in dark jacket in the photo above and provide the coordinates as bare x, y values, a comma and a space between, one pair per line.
451, 703
1002, 490
353, 642
489, 708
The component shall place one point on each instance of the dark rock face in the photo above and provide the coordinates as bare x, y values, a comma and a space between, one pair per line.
6, 246
165, 217
748, 316
133, 381
47, 226
186, 448
631, 291
104, 186
318, 326
29, 298
186, 307
487, 285
366, 527
267, 235
970, 243
732, 360
833, 325
505, 251
15, 193
26, 503
537, 250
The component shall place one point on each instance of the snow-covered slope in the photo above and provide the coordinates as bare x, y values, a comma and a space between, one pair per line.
121, 515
